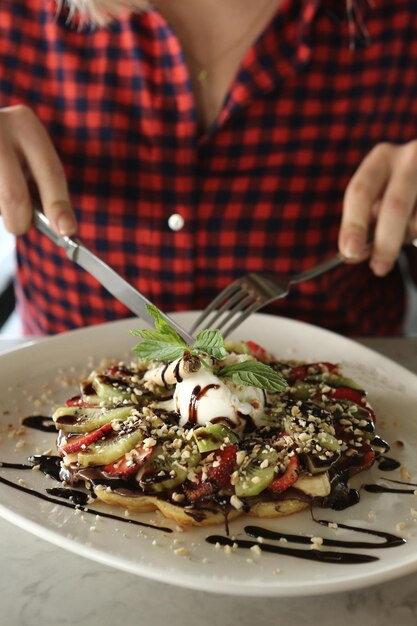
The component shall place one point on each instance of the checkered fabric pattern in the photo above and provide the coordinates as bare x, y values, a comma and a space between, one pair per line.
262, 190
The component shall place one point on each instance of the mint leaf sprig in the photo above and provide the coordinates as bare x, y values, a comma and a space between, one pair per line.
253, 373
165, 344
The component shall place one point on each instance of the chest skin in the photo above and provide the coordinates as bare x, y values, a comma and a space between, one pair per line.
215, 37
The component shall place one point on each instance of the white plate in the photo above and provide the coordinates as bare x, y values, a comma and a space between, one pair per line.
32, 381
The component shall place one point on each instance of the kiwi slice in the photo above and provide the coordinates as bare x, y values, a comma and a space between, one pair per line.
111, 390
88, 393
162, 474
344, 381
110, 449
240, 347
73, 419
252, 478
213, 436
326, 440
301, 391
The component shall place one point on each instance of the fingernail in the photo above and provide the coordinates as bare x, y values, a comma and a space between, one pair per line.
353, 247
380, 268
66, 225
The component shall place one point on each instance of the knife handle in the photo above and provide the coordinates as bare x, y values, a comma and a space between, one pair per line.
42, 224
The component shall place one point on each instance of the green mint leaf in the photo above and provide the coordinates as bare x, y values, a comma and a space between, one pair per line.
210, 342
163, 327
161, 344
155, 347
253, 373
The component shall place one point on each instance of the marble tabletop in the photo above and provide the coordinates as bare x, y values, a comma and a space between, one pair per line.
41, 584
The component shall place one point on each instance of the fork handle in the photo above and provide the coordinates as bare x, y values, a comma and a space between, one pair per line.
326, 265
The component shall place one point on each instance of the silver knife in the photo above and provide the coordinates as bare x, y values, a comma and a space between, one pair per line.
106, 276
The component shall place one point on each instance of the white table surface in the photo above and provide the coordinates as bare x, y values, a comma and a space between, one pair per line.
42, 585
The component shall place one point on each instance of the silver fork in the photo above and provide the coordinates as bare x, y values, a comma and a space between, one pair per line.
252, 292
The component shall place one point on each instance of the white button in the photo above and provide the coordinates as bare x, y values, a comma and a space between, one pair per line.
176, 221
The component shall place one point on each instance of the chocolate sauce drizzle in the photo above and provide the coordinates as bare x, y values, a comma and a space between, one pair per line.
19, 466
386, 464
390, 541
163, 374
377, 488
323, 556
40, 422
73, 495
196, 395
177, 372
73, 505
50, 465
374, 488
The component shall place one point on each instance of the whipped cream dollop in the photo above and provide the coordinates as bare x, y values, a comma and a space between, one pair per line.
205, 398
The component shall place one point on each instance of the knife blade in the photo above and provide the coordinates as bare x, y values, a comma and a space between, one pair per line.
106, 276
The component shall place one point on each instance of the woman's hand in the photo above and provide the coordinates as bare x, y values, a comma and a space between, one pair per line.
380, 205
25, 145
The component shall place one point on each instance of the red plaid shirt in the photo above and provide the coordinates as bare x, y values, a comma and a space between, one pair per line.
262, 190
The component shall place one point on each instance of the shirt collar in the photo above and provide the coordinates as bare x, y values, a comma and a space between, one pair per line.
283, 49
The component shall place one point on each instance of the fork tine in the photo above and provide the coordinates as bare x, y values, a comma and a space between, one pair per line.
240, 306
226, 293
241, 318
212, 322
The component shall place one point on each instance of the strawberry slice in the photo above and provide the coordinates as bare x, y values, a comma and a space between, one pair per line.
74, 401
300, 372
355, 464
218, 475
258, 352
79, 442
129, 463
78, 401
288, 478
347, 393
119, 371
367, 460
353, 395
